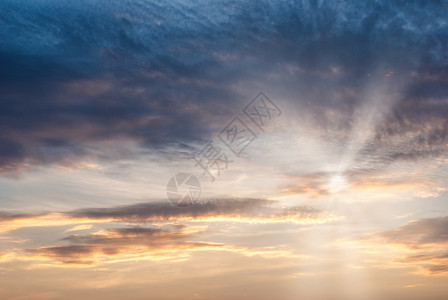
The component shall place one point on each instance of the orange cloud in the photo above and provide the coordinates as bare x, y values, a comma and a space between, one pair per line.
130, 244
162, 241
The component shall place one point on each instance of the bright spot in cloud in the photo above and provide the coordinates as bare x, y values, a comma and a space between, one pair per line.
337, 183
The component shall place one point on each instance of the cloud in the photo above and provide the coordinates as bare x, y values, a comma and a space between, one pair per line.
113, 245
129, 243
366, 182
425, 239
420, 233
233, 210
79, 227
169, 73
11, 217
218, 209
146, 231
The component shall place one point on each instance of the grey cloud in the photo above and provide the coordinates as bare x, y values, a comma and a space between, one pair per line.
248, 209
419, 233
233, 208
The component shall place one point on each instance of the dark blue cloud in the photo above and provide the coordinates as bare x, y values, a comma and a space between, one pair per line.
164, 72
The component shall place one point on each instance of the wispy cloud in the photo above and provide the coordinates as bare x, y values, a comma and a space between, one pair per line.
420, 243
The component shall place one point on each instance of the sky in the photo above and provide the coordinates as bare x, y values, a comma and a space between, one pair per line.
223, 149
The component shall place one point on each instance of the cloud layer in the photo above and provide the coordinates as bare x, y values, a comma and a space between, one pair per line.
78, 80
149, 231
423, 244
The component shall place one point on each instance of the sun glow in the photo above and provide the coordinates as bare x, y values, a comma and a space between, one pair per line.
337, 183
